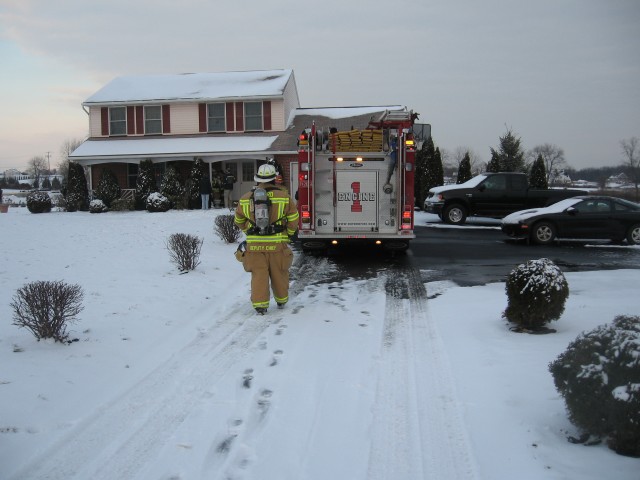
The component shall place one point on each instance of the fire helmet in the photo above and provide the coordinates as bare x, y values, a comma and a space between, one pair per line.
266, 173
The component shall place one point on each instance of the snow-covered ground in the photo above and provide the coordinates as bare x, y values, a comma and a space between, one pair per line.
174, 377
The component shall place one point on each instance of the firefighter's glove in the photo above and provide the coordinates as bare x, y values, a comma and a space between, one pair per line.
240, 251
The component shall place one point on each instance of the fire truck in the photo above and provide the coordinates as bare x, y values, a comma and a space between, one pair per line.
356, 186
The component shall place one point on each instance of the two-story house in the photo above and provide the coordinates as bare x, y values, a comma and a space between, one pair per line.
230, 119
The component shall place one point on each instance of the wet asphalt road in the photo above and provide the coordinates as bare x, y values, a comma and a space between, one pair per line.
476, 255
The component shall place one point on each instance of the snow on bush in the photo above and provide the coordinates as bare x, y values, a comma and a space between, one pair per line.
39, 202
599, 377
97, 206
156, 202
536, 292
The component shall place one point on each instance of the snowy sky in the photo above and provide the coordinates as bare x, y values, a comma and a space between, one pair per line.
565, 72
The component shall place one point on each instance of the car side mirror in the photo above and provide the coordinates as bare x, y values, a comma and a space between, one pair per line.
571, 211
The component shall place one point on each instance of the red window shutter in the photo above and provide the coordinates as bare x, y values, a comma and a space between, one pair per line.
140, 119
239, 116
104, 117
266, 115
202, 112
131, 125
166, 119
230, 117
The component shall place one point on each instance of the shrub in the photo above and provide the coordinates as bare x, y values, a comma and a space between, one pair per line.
157, 202
184, 251
145, 183
76, 193
536, 293
599, 378
97, 206
39, 202
108, 189
122, 204
45, 308
226, 228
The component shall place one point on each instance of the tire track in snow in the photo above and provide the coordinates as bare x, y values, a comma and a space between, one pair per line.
417, 431
125, 433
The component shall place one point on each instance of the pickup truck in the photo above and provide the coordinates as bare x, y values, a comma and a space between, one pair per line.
493, 195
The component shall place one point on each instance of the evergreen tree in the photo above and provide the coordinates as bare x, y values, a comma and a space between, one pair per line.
538, 175
423, 157
46, 184
145, 183
193, 184
76, 193
108, 188
494, 163
435, 172
510, 153
55, 185
171, 187
464, 169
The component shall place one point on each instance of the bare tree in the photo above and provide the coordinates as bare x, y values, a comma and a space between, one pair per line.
65, 150
631, 153
36, 167
553, 157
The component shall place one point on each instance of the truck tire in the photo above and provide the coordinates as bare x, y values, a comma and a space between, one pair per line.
543, 233
454, 214
633, 235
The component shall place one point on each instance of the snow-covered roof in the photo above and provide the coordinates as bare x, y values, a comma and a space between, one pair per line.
189, 146
341, 112
192, 87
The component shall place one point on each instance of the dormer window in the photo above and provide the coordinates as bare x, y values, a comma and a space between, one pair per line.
253, 116
153, 120
117, 121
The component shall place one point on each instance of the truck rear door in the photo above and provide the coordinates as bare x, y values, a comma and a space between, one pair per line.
356, 200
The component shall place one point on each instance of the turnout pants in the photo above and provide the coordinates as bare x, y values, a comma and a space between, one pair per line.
269, 269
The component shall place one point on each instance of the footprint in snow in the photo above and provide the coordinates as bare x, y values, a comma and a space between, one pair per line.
276, 355
247, 377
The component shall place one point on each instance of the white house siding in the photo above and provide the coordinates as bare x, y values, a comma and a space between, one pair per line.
95, 122
184, 118
291, 100
277, 115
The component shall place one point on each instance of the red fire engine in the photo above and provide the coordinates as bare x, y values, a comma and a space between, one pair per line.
357, 186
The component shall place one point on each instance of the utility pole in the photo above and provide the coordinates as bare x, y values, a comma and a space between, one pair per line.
48, 162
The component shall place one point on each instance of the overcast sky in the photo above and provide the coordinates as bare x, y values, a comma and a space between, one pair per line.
564, 72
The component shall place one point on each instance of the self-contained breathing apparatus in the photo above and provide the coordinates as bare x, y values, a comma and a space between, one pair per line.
261, 210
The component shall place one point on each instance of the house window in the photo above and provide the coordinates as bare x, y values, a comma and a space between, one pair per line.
117, 121
216, 117
253, 116
153, 120
248, 171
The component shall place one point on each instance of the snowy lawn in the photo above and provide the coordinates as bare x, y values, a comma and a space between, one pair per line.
289, 395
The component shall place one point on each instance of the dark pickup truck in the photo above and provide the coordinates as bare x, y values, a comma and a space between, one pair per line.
493, 195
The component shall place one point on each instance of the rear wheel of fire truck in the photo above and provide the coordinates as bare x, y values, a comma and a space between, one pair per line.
313, 248
454, 214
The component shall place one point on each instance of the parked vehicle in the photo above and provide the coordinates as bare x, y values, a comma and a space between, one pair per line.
490, 195
584, 217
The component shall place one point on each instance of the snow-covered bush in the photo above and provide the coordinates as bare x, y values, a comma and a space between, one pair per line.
226, 228
184, 251
76, 192
156, 202
599, 377
145, 183
536, 293
97, 206
39, 202
46, 308
108, 189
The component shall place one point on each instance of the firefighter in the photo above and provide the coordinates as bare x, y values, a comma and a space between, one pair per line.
267, 255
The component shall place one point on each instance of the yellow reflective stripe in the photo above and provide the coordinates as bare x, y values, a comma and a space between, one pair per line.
270, 239
260, 304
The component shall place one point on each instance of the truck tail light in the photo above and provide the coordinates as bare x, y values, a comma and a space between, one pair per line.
305, 215
406, 217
